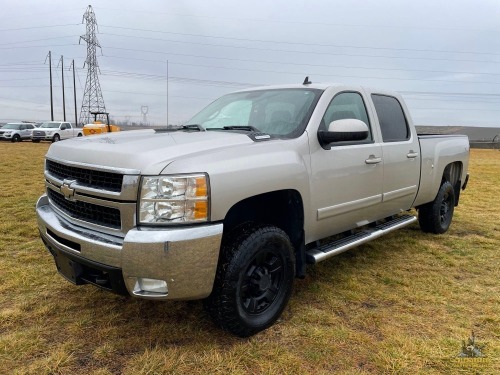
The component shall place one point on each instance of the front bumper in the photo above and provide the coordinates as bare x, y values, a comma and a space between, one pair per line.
185, 258
42, 137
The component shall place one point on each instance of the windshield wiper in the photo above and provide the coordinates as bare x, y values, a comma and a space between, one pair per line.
193, 127
241, 127
170, 129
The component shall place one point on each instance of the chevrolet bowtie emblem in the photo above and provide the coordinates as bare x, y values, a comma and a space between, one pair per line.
66, 189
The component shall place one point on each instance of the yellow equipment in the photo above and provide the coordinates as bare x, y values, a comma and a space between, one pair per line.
98, 127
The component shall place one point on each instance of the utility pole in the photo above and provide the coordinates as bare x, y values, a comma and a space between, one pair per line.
92, 96
49, 56
167, 92
74, 91
61, 60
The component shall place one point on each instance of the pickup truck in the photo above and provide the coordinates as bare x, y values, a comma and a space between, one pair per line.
55, 131
232, 206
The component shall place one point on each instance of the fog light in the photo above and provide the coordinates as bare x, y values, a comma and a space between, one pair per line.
146, 286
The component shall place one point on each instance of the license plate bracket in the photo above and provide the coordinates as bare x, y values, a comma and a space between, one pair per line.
68, 268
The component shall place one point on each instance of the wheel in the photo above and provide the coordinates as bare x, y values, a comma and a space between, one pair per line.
16, 138
35, 140
253, 281
435, 216
79, 134
56, 138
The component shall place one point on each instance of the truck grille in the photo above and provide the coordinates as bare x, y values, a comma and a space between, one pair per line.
39, 133
89, 212
91, 178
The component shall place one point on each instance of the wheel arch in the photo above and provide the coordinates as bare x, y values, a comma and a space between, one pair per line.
281, 208
452, 173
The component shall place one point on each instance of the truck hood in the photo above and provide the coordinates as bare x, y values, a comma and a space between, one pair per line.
146, 151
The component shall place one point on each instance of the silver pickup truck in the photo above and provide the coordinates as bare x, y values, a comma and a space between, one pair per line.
231, 207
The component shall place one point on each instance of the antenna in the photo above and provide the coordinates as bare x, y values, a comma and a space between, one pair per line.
92, 96
306, 81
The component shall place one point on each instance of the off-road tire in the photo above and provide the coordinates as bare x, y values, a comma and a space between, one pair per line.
16, 138
254, 279
56, 138
435, 217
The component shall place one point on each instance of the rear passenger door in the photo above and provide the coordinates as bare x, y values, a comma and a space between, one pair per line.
401, 154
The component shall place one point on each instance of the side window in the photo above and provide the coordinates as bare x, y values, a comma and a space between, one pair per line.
22, 127
68, 125
391, 118
346, 105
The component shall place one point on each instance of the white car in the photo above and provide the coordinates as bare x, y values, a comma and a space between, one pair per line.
16, 131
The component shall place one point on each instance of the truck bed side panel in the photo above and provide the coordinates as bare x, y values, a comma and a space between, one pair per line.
437, 152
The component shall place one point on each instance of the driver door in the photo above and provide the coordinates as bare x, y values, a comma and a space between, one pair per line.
347, 178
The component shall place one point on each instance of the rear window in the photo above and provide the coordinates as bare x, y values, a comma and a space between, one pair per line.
391, 117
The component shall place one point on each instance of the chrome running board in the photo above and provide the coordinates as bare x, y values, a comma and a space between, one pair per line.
328, 250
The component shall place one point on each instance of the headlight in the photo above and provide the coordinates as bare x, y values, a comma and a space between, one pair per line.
173, 199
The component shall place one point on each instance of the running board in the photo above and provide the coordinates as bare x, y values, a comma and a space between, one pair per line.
326, 251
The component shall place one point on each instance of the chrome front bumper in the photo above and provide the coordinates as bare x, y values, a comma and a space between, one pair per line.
185, 258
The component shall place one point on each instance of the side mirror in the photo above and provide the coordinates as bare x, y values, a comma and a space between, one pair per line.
347, 130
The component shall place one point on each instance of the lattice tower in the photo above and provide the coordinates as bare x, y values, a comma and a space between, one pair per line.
92, 97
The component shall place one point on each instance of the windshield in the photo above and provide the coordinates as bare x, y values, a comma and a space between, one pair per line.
50, 125
12, 126
279, 112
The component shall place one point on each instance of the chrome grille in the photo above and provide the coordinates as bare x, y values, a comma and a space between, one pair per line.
85, 211
88, 177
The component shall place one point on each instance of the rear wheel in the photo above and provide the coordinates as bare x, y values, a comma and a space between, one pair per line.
35, 140
56, 138
436, 216
253, 281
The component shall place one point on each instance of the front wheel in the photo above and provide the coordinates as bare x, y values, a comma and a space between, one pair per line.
254, 280
16, 138
56, 138
435, 216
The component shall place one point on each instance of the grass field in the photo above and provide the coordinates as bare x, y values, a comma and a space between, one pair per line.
402, 304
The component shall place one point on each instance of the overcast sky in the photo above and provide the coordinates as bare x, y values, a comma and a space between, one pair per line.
443, 56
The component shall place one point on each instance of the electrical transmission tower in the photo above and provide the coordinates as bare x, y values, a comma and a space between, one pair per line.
92, 96
144, 112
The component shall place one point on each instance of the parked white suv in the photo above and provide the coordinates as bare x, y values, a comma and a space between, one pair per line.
16, 131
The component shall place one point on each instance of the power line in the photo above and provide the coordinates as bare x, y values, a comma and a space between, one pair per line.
39, 40
282, 41
39, 27
310, 53
294, 64
314, 23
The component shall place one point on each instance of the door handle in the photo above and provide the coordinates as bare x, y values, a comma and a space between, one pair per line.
412, 155
373, 160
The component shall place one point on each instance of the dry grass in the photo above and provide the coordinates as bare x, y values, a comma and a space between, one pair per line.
401, 304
